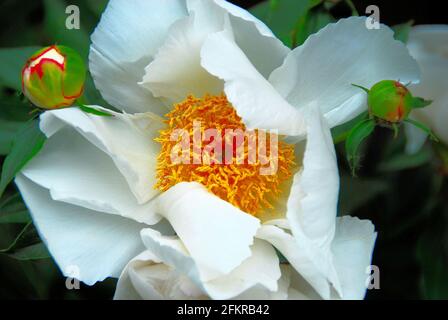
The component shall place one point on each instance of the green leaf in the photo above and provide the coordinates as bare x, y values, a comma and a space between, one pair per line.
262, 10
340, 133
356, 136
27, 245
361, 87
8, 130
26, 145
309, 23
13, 108
26, 237
352, 7
15, 217
94, 111
97, 6
422, 127
92, 96
13, 210
36, 251
418, 102
282, 16
12, 61
402, 31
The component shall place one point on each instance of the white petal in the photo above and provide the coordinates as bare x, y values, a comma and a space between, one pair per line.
312, 205
311, 210
321, 71
254, 98
215, 233
176, 71
84, 175
428, 45
147, 277
239, 13
352, 248
128, 140
263, 259
124, 42
299, 256
428, 40
298, 287
99, 245
181, 51
436, 114
261, 293
255, 39
415, 137
260, 270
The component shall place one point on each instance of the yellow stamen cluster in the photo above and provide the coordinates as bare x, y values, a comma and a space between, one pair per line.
240, 183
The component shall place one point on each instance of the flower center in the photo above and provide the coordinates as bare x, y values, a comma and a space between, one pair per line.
206, 142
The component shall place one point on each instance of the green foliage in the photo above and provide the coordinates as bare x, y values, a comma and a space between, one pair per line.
27, 143
8, 130
94, 111
293, 21
282, 16
311, 22
354, 139
27, 245
54, 23
13, 210
420, 103
422, 127
402, 31
341, 132
13, 60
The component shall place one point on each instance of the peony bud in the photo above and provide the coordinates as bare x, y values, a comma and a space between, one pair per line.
389, 104
390, 101
53, 77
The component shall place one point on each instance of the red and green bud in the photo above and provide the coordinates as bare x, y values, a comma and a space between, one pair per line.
391, 101
54, 77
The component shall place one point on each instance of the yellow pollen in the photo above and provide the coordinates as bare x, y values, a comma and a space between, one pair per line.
238, 182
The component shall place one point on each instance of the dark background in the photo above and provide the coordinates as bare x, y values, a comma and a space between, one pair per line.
405, 198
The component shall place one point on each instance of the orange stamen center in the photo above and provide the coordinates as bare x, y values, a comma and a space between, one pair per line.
238, 181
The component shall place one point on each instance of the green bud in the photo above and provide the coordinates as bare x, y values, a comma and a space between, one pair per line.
53, 77
390, 101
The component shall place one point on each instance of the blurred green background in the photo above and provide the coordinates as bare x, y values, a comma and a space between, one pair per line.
405, 196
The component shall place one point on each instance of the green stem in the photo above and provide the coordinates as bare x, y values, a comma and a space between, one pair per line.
352, 7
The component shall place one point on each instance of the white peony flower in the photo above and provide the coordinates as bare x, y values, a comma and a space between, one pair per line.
428, 45
91, 189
